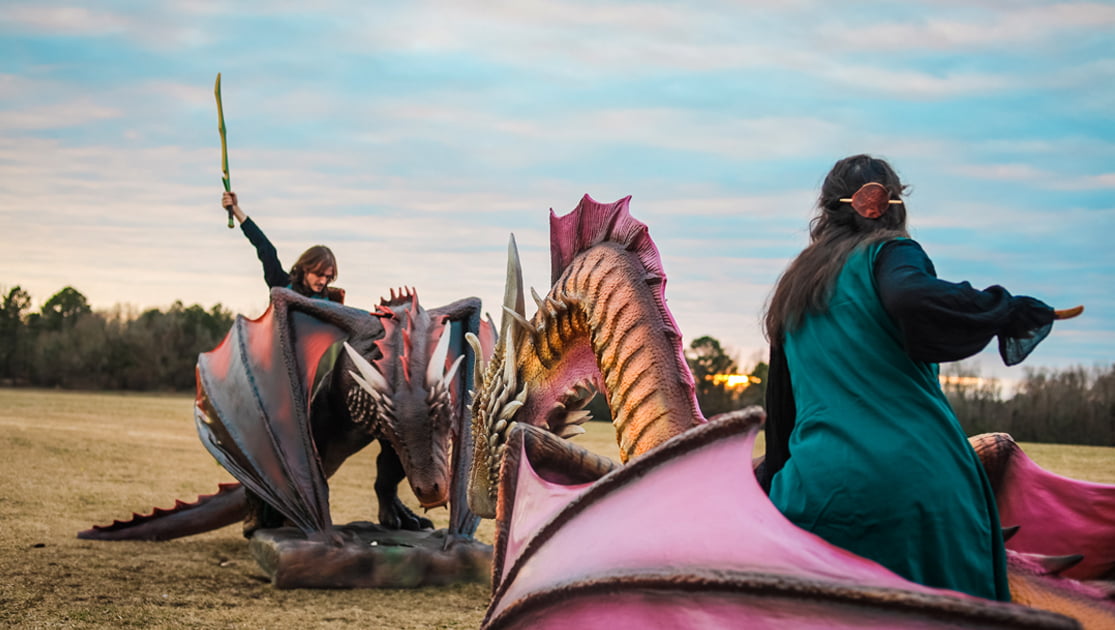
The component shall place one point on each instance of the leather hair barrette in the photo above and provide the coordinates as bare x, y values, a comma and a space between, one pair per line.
872, 200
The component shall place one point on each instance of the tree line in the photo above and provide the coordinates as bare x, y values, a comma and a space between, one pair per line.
1075, 405
66, 344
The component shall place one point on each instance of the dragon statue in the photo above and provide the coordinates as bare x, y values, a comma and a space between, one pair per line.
286, 398
680, 535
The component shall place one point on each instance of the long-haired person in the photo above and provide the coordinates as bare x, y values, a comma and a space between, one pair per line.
863, 448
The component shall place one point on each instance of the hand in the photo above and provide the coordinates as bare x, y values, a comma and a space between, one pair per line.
228, 200
1068, 313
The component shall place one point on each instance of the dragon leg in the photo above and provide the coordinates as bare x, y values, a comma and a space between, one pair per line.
393, 514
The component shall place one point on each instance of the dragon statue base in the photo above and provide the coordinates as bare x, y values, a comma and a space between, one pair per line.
370, 556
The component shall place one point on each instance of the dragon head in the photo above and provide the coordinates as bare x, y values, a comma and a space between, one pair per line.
406, 394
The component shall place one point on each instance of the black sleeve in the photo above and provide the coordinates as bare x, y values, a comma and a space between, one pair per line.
273, 272
945, 321
781, 416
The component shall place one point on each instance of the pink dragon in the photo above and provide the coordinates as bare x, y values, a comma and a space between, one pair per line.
681, 536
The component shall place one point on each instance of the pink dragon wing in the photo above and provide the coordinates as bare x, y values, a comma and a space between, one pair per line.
1055, 515
615, 554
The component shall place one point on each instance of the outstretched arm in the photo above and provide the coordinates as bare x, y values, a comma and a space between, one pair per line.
273, 272
946, 321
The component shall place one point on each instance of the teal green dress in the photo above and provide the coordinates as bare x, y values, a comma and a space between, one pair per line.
880, 465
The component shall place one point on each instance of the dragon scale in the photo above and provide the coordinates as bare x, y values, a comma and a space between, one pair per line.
603, 326
591, 303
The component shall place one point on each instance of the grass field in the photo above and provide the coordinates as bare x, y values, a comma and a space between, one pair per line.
72, 459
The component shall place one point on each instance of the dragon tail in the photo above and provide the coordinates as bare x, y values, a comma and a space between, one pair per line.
211, 511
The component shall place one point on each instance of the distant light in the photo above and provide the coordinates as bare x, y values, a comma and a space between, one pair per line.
966, 381
734, 380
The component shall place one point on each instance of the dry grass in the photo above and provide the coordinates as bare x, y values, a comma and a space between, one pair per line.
70, 460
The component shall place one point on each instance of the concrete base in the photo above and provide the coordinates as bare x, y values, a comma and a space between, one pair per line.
370, 557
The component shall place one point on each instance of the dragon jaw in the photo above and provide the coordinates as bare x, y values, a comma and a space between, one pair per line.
407, 392
603, 327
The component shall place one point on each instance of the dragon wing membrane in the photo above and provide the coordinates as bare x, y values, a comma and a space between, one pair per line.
745, 565
253, 402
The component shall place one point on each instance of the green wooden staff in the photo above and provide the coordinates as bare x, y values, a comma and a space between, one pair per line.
224, 145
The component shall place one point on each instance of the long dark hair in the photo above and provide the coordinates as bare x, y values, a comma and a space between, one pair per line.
315, 259
834, 232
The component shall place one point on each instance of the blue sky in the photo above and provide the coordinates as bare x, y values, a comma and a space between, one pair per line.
414, 138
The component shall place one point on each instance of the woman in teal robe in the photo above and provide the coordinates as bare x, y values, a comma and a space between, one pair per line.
863, 448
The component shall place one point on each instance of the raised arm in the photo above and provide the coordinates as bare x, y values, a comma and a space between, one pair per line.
273, 272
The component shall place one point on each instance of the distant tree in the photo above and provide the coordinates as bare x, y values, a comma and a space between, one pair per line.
977, 401
1069, 406
63, 309
66, 344
708, 359
14, 335
756, 392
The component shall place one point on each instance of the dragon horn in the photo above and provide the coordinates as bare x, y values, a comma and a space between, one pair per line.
513, 290
436, 367
452, 371
371, 375
477, 360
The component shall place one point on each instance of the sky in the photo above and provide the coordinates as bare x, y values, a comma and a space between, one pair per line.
415, 138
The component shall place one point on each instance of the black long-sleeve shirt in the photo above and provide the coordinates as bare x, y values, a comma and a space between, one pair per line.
273, 272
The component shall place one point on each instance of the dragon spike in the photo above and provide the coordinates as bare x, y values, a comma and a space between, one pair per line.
452, 371
436, 367
509, 362
477, 360
513, 290
404, 294
372, 379
519, 319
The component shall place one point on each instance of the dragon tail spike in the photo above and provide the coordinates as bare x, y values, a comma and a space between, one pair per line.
372, 379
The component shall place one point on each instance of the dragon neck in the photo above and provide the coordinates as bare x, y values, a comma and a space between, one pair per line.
603, 308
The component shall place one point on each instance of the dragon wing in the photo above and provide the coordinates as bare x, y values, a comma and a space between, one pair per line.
578, 545
253, 401
1055, 515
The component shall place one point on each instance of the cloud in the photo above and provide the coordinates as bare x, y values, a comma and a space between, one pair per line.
911, 84
975, 27
158, 26
64, 20
1037, 177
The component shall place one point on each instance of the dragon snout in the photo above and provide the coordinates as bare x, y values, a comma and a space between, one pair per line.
431, 495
